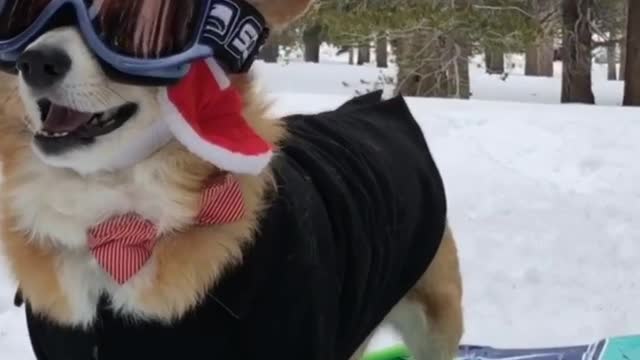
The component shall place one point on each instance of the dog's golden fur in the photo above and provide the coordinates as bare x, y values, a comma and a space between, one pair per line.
185, 268
188, 262
31, 264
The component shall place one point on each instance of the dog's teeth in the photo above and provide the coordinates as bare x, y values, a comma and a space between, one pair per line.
51, 134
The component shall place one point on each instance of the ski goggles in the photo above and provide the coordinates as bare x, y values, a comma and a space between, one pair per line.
141, 39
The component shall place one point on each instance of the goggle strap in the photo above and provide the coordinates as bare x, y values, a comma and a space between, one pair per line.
237, 31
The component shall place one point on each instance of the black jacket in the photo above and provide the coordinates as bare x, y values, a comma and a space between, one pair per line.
357, 217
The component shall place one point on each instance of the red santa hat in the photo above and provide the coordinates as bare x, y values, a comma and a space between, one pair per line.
204, 113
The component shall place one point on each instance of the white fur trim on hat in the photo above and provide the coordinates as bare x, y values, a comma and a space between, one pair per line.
217, 155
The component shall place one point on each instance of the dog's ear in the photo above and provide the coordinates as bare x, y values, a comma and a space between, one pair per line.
280, 13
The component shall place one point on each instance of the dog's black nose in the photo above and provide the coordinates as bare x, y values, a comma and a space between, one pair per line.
42, 68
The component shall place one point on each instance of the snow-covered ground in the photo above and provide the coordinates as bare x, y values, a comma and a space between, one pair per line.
542, 198
334, 77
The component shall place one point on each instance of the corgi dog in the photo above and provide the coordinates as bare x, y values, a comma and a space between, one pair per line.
345, 229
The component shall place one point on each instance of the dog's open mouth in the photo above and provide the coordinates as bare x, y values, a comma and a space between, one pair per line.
60, 122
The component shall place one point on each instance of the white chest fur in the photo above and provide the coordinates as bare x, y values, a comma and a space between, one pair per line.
60, 206
57, 207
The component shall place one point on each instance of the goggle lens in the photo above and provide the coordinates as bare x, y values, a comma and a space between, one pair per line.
16, 16
146, 29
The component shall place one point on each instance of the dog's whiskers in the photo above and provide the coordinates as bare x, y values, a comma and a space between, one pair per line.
90, 96
114, 92
104, 95
99, 97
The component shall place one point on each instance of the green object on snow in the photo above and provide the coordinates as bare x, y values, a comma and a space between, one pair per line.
392, 353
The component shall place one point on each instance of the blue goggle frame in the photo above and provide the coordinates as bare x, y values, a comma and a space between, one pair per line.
171, 67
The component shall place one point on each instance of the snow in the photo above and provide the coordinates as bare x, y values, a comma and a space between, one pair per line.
542, 200
334, 77
14, 343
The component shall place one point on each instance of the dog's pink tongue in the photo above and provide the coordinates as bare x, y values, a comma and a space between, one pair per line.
62, 119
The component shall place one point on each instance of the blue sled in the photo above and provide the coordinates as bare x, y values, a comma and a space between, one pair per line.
615, 348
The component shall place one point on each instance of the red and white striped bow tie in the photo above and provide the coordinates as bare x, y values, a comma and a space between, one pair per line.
123, 244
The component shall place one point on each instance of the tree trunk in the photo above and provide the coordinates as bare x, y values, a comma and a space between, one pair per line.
458, 49
545, 57
576, 74
382, 51
623, 42
632, 74
460, 74
271, 51
311, 39
419, 76
539, 58
456, 54
364, 54
541, 54
612, 73
531, 61
494, 60
623, 58
433, 64
352, 56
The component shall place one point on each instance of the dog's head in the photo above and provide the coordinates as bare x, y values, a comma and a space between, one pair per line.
80, 118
